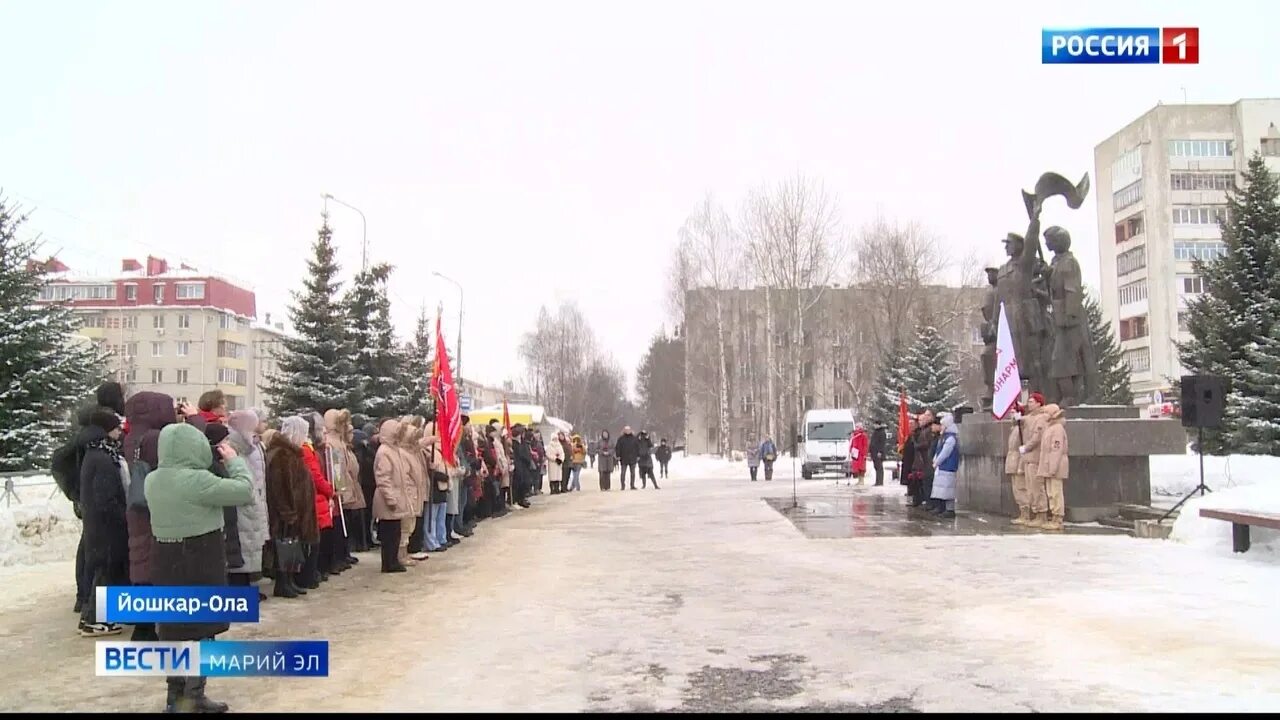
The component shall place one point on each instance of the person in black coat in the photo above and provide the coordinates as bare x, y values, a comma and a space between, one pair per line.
103, 477
663, 454
524, 469
879, 438
217, 432
646, 460
365, 446
628, 451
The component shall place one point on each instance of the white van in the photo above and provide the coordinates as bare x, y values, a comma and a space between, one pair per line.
826, 442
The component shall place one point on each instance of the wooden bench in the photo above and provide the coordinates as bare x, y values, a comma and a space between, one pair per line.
1240, 521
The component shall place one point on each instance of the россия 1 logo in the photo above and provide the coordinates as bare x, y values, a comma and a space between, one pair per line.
1121, 46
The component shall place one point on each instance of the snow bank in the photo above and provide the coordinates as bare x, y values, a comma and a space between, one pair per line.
40, 528
1178, 474
1215, 535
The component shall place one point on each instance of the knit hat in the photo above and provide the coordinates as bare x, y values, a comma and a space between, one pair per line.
216, 432
105, 419
111, 395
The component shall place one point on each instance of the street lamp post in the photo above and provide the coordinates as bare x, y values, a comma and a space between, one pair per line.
364, 231
458, 285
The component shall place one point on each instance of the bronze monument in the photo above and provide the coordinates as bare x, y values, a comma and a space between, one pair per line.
1043, 303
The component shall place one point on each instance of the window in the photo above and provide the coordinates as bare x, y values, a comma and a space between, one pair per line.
746, 404
1199, 249
1202, 181
1271, 147
157, 377
808, 369
127, 375
131, 293
131, 349
1133, 292
157, 321
184, 348
184, 321
1130, 260
228, 349
840, 370
93, 321
189, 291
158, 294
1127, 195
234, 402
1199, 148
808, 403
232, 376
78, 292
1129, 228
182, 377
1199, 214
1133, 328
1138, 360
157, 349
1192, 284
1182, 321
129, 322
225, 321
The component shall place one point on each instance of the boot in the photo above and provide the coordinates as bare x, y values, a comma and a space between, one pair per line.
1053, 523
283, 588
1038, 520
1024, 515
172, 694
195, 699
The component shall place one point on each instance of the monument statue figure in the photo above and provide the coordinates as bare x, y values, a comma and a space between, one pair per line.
990, 317
1072, 366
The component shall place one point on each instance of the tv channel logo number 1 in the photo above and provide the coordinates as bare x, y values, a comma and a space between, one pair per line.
1120, 46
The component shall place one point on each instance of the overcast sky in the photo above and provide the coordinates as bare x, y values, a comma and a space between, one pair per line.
548, 151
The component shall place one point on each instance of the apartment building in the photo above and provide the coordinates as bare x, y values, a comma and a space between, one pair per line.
837, 356
173, 330
1162, 185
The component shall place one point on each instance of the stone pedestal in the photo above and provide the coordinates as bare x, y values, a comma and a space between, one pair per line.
1109, 446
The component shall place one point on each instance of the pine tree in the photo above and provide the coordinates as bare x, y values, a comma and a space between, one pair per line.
890, 379
1256, 400
930, 375
1241, 298
1112, 385
315, 367
379, 360
48, 371
419, 356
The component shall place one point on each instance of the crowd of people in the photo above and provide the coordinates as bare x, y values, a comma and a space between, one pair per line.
170, 494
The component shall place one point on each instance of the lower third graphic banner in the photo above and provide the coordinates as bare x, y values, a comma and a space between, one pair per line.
213, 658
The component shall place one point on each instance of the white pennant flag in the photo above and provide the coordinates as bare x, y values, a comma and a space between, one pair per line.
1007, 383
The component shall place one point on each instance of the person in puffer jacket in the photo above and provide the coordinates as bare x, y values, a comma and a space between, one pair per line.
251, 518
316, 570
147, 413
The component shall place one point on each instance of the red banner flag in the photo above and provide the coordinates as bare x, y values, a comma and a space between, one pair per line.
506, 416
448, 417
904, 420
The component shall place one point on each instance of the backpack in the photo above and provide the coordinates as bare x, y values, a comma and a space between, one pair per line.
138, 470
64, 465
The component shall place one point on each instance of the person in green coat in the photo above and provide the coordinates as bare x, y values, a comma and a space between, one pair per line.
186, 502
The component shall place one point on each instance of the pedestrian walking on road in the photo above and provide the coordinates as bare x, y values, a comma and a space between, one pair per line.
628, 451
604, 448
566, 468
768, 455
663, 455
592, 451
646, 460
579, 460
557, 464
753, 460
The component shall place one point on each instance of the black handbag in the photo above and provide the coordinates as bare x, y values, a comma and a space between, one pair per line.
289, 554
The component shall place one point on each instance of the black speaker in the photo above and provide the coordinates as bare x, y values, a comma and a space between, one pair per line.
1203, 400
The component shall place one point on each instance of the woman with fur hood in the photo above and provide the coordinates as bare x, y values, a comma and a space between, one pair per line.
415, 489
391, 505
344, 472
251, 518
291, 502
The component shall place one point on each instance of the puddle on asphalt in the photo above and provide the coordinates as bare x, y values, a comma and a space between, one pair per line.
856, 514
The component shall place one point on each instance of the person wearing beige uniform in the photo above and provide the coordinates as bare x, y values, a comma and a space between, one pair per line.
415, 481
1013, 466
1033, 423
390, 505
1054, 465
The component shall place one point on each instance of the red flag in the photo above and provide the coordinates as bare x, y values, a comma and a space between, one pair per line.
904, 420
448, 417
506, 416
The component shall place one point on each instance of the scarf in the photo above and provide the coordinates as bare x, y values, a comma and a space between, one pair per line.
108, 446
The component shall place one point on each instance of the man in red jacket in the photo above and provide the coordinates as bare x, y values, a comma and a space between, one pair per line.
859, 446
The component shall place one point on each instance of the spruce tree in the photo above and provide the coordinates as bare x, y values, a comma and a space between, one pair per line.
1112, 385
316, 365
1241, 297
930, 375
1255, 404
379, 361
48, 370
882, 406
419, 355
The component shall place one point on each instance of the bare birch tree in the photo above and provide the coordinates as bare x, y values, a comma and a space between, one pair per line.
710, 251
795, 245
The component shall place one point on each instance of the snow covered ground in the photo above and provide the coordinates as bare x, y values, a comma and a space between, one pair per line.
38, 526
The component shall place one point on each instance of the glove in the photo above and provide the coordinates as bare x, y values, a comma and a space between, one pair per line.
1022, 449
1017, 415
